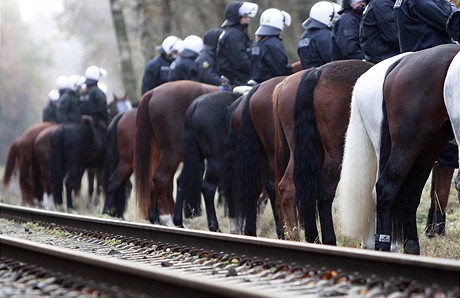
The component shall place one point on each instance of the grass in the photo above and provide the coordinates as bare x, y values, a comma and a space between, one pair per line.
441, 247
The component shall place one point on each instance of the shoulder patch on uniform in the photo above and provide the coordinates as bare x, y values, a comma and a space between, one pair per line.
205, 64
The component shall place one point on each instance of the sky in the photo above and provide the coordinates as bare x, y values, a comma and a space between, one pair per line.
31, 8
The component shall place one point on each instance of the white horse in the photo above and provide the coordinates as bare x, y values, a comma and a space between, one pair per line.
356, 200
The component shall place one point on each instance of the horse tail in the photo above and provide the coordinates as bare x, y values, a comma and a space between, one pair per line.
58, 164
247, 183
112, 157
11, 162
191, 171
143, 151
358, 176
307, 176
230, 141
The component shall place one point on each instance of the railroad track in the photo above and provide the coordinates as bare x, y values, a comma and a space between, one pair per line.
180, 261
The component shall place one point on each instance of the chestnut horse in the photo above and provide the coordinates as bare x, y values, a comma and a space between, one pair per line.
43, 152
394, 138
21, 156
311, 113
159, 146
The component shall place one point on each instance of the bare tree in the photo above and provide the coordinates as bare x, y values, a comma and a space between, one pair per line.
124, 48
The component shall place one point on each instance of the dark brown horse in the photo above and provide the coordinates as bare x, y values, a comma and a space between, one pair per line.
254, 170
119, 164
311, 116
159, 146
21, 157
402, 137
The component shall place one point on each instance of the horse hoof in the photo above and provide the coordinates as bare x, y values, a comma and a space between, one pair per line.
214, 229
412, 247
382, 246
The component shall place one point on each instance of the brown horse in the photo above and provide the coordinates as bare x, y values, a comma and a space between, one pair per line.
20, 156
254, 155
311, 116
43, 152
402, 131
159, 146
119, 163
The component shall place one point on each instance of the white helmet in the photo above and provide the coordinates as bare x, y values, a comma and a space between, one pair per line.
95, 72
168, 44
62, 82
325, 12
248, 9
193, 43
272, 22
76, 81
53, 95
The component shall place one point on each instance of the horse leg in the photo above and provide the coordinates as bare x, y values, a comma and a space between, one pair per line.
115, 199
163, 181
287, 204
440, 197
331, 179
271, 191
90, 173
208, 189
387, 187
179, 208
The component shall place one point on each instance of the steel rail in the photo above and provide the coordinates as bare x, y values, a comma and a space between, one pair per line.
123, 274
426, 270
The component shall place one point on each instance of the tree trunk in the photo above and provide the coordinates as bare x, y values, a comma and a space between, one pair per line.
127, 69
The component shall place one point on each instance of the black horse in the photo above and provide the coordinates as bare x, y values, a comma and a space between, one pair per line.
76, 147
205, 128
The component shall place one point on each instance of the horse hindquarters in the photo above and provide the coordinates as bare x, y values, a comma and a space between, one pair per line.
359, 168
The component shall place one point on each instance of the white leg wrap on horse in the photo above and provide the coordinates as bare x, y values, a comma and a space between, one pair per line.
166, 220
234, 227
48, 202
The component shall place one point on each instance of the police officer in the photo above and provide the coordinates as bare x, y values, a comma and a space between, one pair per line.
345, 32
314, 47
50, 110
232, 53
181, 68
93, 101
378, 34
422, 23
205, 67
157, 70
68, 110
268, 58
62, 83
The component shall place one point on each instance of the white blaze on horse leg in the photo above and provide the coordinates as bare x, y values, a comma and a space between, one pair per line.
234, 227
48, 202
166, 220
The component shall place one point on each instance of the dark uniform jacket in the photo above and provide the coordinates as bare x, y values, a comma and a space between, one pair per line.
49, 113
181, 68
94, 103
314, 47
68, 110
422, 23
156, 73
345, 36
233, 55
268, 59
378, 34
205, 67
